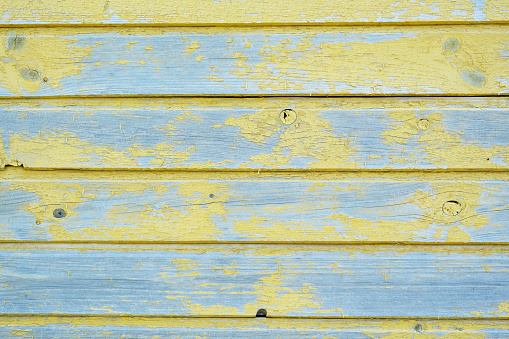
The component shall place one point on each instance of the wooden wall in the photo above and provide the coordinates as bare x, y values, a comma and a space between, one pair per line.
170, 168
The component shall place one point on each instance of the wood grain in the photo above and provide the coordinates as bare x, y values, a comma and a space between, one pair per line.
138, 208
235, 133
388, 60
163, 327
179, 12
226, 280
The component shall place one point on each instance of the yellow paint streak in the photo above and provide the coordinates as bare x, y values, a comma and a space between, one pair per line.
29, 57
3, 152
345, 227
309, 136
192, 47
248, 11
191, 221
66, 150
312, 138
434, 336
21, 333
258, 228
366, 326
456, 234
46, 150
378, 67
211, 310
441, 148
279, 300
503, 309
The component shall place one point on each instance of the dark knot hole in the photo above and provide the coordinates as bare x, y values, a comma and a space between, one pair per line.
262, 313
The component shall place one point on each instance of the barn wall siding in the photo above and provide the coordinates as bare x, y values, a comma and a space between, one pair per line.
172, 168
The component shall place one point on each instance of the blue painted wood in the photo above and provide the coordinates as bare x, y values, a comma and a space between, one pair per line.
259, 328
368, 281
136, 208
248, 133
247, 61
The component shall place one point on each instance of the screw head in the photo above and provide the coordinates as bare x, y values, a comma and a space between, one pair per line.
261, 313
59, 213
452, 208
288, 116
423, 124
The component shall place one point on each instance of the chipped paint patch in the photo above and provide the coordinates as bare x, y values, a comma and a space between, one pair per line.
310, 138
29, 57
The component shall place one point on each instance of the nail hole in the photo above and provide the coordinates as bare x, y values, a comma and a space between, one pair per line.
288, 116
423, 124
211, 196
452, 208
418, 328
59, 213
262, 313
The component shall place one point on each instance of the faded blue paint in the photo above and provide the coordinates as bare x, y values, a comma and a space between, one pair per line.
379, 201
181, 74
144, 127
421, 284
258, 330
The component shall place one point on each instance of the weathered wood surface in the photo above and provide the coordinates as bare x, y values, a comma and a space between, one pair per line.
387, 60
178, 12
360, 133
237, 280
140, 208
270, 328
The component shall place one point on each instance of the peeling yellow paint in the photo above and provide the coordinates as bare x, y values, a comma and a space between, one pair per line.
347, 227
457, 335
3, 152
456, 234
274, 297
503, 309
373, 65
441, 148
211, 310
28, 58
368, 327
56, 146
48, 147
51, 196
192, 47
192, 221
249, 11
310, 136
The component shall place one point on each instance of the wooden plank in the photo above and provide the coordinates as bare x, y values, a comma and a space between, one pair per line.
236, 133
164, 327
250, 209
391, 60
179, 12
226, 280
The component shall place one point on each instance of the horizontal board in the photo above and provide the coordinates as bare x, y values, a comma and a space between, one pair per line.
157, 327
238, 280
139, 209
392, 60
180, 12
235, 133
